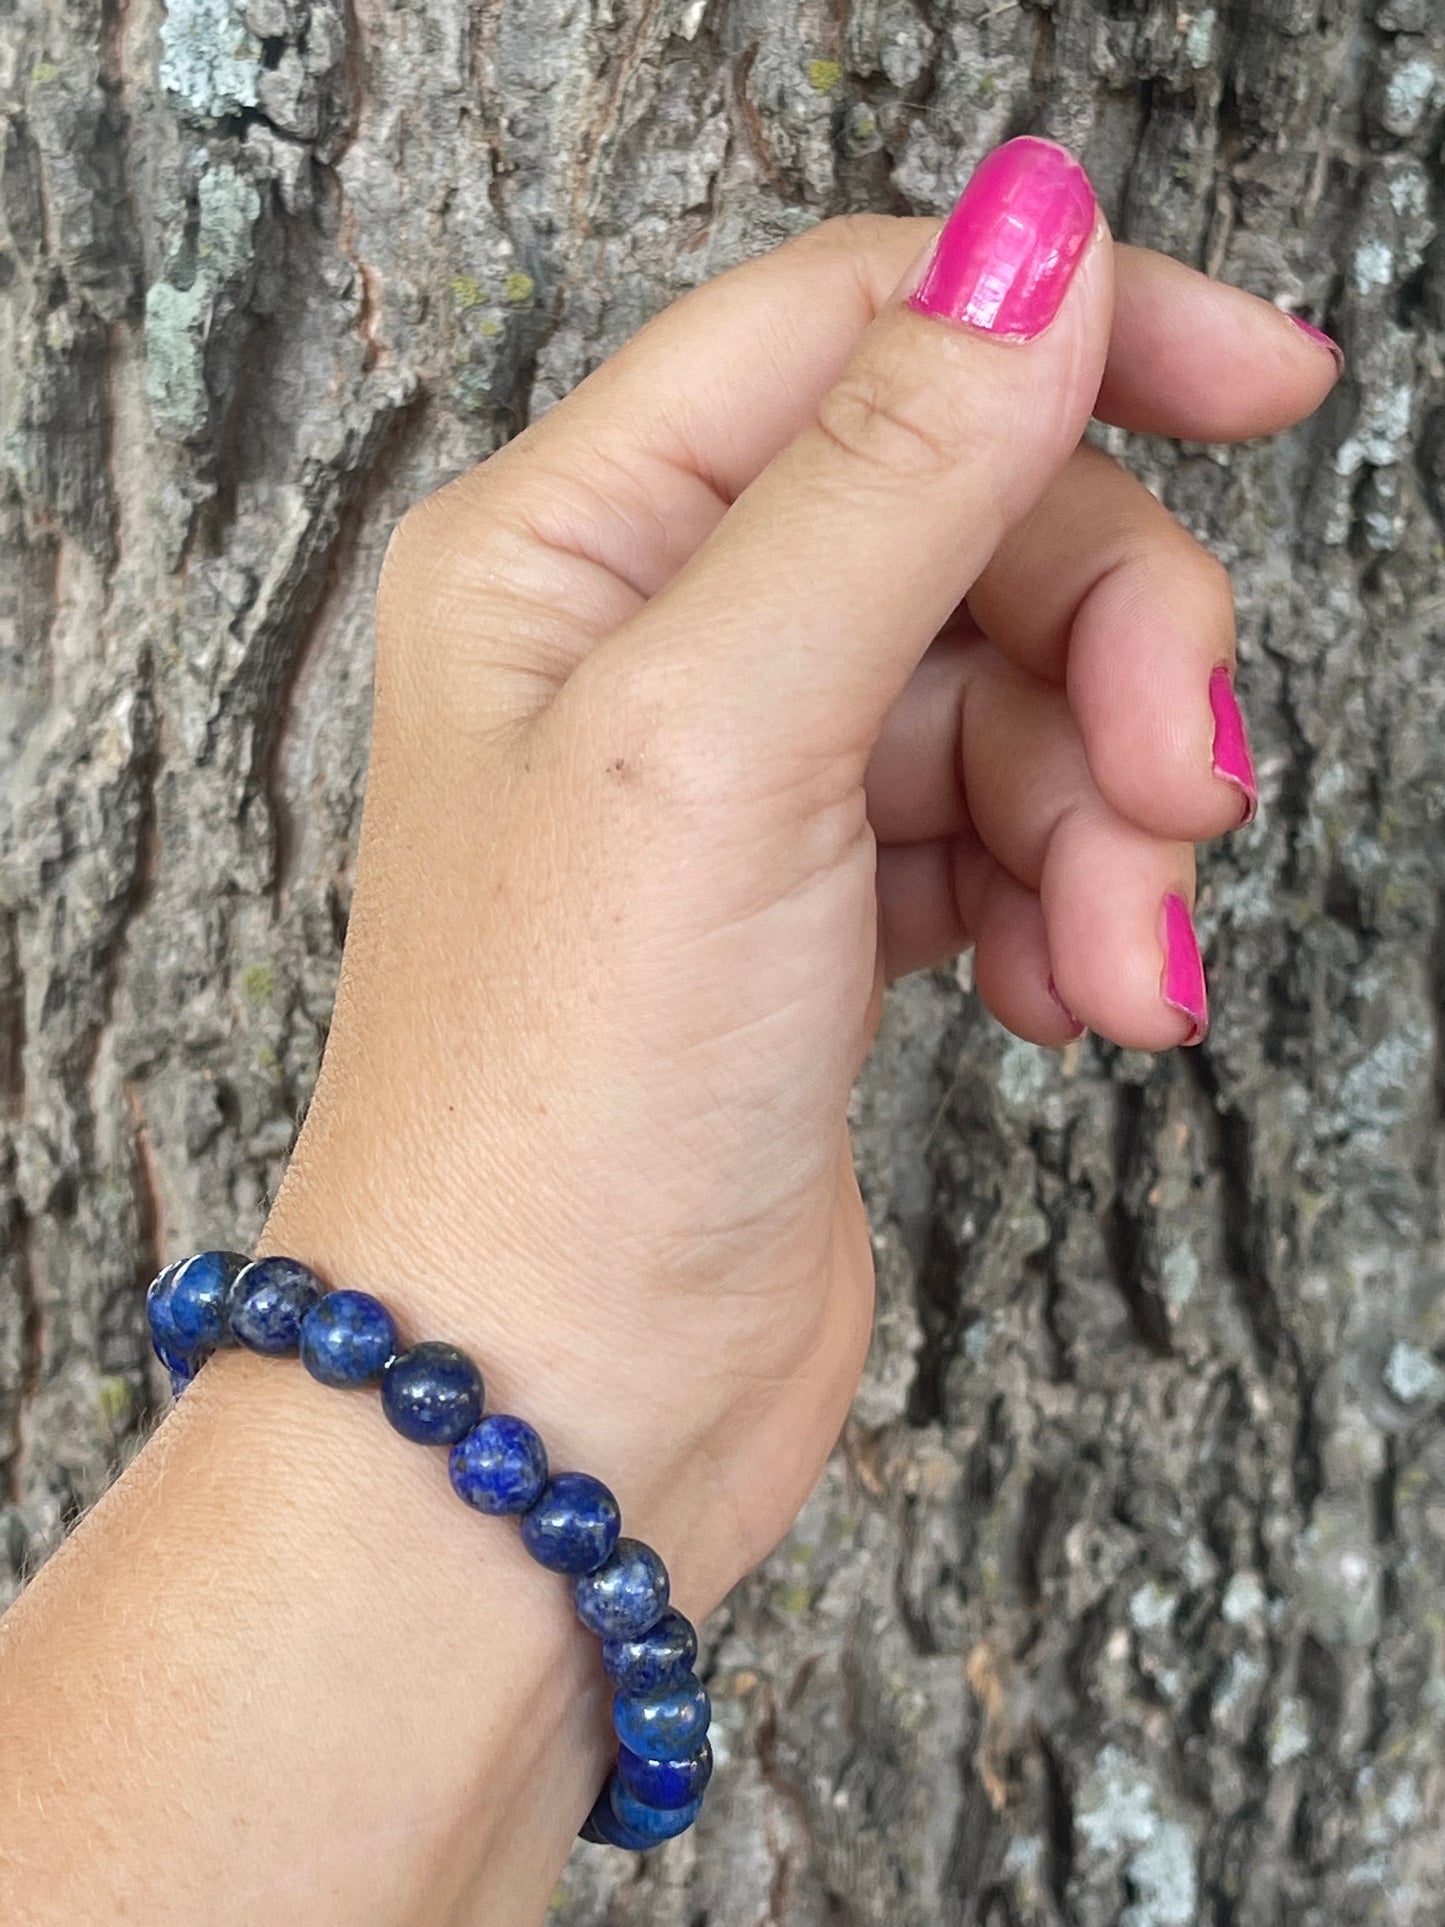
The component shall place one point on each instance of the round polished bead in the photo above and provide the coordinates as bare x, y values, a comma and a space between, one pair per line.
653, 1824
268, 1301
604, 1829
348, 1338
178, 1359
666, 1783
626, 1595
159, 1317
500, 1466
574, 1525
198, 1296
658, 1658
432, 1393
667, 1725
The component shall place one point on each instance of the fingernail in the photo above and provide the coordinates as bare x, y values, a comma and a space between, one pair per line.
1079, 1028
1232, 759
1008, 251
1324, 340
1182, 986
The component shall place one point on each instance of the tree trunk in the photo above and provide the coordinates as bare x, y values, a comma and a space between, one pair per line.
1123, 1600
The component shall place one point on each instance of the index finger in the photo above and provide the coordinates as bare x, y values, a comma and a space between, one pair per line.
566, 532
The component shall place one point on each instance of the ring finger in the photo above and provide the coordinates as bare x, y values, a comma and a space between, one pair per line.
1101, 593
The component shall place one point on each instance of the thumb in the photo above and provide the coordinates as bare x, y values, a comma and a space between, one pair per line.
805, 612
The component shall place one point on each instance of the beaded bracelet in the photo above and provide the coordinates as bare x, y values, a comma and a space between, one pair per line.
570, 1522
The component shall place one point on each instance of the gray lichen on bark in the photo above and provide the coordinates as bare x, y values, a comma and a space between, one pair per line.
1123, 1599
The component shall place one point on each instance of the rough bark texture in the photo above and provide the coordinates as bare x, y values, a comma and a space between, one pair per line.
1123, 1600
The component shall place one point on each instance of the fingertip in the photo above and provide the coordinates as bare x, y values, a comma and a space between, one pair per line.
1005, 258
1197, 358
1319, 339
1150, 682
1125, 957
1163, 775
1011, 966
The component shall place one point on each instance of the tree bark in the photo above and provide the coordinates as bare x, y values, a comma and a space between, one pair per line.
1123, 1600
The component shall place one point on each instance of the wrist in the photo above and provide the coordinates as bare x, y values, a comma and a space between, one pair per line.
593, 1389
416, 1642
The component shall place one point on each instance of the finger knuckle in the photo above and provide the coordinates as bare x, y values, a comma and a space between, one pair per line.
887, 425
411, 549
454, 548
397, 560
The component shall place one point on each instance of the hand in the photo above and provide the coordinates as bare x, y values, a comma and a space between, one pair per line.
802, 645
683, 742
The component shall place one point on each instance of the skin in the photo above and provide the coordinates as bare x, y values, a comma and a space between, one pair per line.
684, 741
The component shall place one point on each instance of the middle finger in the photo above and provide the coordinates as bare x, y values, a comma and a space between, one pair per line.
1103, 592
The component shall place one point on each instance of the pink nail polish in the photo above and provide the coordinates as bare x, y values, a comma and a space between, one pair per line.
1008, 251
1324, 340
1079, 1028
1182, 986
1232, 759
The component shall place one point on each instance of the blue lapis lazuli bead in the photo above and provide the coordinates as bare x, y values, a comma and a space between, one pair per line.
348, 1338
268, 1301
180, 1361
626, 1595
666, 1783
159, 1318
661, 1657
432, 1393
653, 1824
603, 1828
198, 1295
574, 1524
500, 1466
667, 1725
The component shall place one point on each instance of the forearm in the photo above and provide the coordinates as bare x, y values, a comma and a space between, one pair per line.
280, 1673
281, 1653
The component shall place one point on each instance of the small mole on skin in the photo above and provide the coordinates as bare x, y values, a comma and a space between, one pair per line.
619, 768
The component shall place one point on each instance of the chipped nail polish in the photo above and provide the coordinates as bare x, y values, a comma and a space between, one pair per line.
1324, 340
1182, 986
1232, 759
1008, 251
